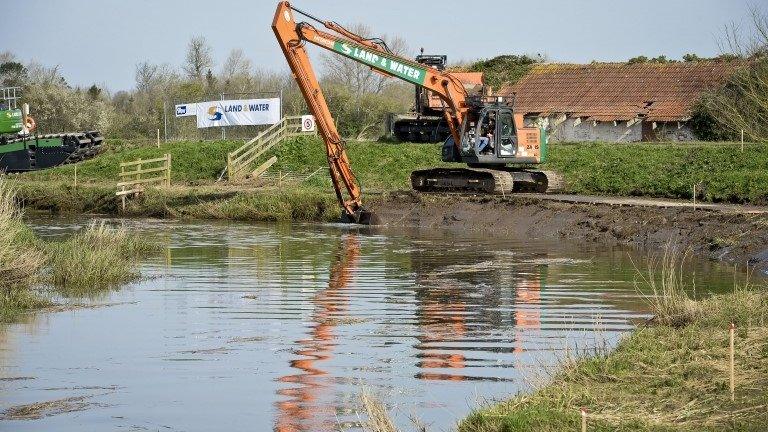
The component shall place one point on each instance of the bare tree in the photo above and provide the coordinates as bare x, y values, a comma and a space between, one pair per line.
356, 76
741, 105
236, 65
149, 77
199, 58
7, 57
734, 40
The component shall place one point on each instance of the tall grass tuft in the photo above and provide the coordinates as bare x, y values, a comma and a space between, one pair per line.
95, 259
379, 419
20, 258
666, 292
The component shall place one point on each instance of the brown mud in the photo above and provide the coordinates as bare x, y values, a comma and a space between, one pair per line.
741, 239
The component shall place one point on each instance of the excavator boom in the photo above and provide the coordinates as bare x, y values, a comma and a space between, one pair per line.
293, 36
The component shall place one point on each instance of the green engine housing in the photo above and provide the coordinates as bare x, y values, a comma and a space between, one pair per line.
10, 121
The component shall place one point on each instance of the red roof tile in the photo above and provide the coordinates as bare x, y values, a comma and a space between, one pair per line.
618, 91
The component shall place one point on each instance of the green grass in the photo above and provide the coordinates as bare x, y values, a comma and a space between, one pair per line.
20, 259
663, 170
95, 259
666, 170
192, 161
287, 204
672, 375
91, 260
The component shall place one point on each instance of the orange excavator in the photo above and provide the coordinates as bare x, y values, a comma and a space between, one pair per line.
485, 134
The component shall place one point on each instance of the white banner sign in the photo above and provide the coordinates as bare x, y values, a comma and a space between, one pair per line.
186, 110
307, 123
238, 112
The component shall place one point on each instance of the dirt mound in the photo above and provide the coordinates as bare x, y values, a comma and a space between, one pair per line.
738, 238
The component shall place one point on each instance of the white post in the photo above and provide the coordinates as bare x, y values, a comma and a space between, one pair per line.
223, 130
733, 384
694, 197
165, 121
742, 140
158, 138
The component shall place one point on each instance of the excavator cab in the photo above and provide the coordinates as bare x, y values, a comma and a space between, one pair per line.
493, 135
492, 139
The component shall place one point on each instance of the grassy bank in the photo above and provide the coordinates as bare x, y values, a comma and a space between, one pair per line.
665, 170
671, 375
722, 172
89, 261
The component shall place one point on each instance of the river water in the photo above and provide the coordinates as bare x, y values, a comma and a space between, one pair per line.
282, 327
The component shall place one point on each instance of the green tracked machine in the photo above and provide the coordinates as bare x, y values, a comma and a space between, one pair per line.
21, 150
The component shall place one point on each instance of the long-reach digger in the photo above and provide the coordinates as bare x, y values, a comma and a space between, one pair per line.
485, 133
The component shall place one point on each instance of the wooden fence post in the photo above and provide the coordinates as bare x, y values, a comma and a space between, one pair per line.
229, 166
168, 168
583, 419
733, 383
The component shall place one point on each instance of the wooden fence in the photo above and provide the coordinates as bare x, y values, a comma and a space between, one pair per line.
134, 175
240, 163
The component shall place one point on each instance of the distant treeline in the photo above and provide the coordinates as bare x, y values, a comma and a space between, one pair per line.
359, 98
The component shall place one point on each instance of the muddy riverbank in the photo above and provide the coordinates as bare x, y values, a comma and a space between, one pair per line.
740, 239
733, 237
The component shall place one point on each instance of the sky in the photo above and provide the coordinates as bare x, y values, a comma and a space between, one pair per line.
101, 41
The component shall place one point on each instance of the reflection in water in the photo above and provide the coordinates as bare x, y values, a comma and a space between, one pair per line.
451, 315
528, 308
302, 411
441, 318
254, 314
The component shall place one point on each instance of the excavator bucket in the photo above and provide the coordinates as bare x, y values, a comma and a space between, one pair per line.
361, 217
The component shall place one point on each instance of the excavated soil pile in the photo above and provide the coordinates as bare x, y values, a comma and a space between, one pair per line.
737, 238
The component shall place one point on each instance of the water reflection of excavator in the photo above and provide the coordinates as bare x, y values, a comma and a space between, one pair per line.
449, 329
303, 410
484, 132
527, 308
441, 313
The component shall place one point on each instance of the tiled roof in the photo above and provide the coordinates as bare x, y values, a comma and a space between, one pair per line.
618, 91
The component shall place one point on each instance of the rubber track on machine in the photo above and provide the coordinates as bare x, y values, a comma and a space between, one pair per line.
462, 180
504, 181
88, 144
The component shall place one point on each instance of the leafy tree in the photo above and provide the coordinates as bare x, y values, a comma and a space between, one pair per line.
505, 69
94, 93
638, 60
691, 57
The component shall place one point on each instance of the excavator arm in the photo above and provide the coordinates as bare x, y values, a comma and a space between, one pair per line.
293, 36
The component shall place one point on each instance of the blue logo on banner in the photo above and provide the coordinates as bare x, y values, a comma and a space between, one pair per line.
214, 114
181, 110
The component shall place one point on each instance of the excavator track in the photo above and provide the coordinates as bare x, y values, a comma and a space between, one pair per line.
479, 180
50, 150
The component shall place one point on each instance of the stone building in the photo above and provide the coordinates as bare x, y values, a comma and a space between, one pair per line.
616, 102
